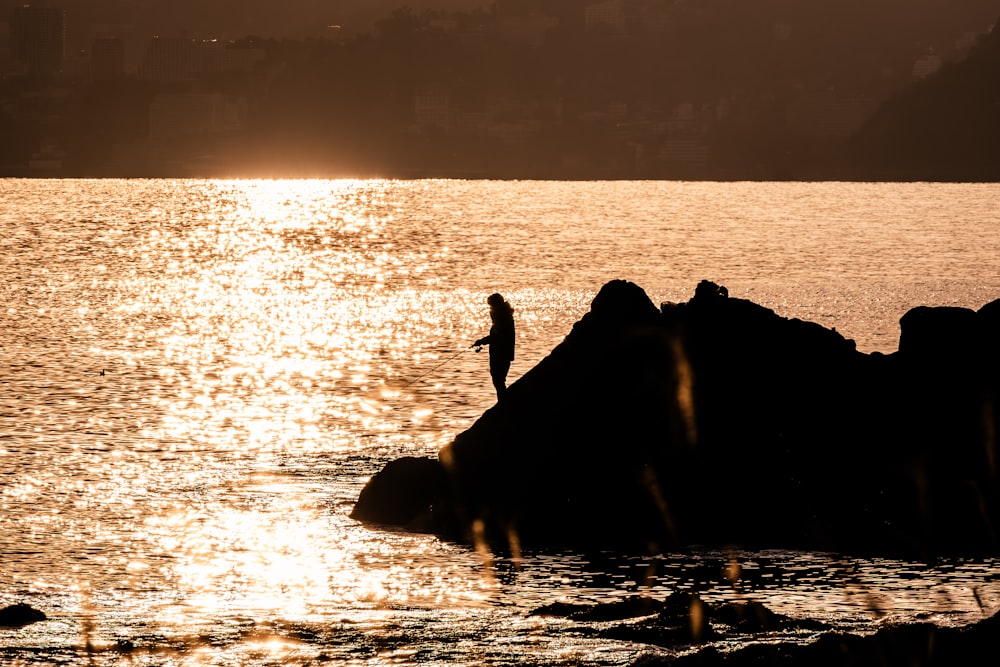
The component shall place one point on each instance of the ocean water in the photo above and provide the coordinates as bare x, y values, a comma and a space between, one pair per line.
198, 377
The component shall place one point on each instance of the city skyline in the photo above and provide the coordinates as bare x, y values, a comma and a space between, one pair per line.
136, 21
618, 88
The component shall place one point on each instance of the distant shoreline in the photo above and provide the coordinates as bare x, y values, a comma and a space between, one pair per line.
488, 175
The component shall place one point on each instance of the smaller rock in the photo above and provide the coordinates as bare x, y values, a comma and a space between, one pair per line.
753, 617
707, 290
402, 494
683, 618
17, 615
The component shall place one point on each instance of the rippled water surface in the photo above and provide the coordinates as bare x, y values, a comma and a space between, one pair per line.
197, 378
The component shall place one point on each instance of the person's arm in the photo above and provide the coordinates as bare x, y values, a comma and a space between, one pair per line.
485, 340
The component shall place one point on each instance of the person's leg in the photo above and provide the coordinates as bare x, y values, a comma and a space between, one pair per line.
498, 372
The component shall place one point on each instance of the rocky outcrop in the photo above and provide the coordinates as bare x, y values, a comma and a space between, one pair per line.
716, 421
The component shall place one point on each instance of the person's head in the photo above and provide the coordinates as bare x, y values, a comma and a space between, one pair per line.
498, 305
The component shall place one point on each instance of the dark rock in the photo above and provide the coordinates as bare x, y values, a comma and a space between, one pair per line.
717, 421
621, 302
403, 493
20, 614
679, 620
916, 645
683, 619
749, 617
942, 336
990, 317
989, 323
686, 619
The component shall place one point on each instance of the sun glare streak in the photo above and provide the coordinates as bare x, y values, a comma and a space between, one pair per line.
685, 391
273, 558
265, 344
277, 339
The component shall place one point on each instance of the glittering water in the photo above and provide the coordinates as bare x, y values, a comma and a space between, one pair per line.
197, 378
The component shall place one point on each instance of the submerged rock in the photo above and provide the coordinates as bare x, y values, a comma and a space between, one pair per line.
633, 606
20, 614
716, 421
681, 619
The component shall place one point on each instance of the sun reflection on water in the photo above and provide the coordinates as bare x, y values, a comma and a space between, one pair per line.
245, 559
272, 550
274, 331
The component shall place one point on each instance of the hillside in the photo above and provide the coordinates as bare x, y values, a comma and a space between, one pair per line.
946, 127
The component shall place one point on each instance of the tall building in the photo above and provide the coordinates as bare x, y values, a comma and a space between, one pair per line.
38, 38
609, 15
173, 59
107, 59
181, 59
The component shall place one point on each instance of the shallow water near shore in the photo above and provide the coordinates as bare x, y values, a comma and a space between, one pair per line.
198, 377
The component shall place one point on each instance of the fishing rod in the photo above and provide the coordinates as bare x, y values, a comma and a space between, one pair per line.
437, 366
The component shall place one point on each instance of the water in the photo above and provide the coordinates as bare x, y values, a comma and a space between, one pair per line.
198, 377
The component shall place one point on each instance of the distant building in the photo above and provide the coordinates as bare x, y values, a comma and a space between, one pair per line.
222, 57
432, 108
609, 15
509, 8
828, 114
684, 152
179, 115
687, 120
38, 39
926, 65
125, 33
965, 43
107, 59
443, 23
180, 59
617, 111
48, 158
172, 59
530, 30
471, 121
514, 133
653, 19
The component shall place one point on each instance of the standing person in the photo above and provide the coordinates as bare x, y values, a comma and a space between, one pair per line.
500, 340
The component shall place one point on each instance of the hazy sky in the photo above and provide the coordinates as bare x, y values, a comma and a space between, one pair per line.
233, 18
301, 18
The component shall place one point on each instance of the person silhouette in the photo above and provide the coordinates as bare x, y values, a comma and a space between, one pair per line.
500, 340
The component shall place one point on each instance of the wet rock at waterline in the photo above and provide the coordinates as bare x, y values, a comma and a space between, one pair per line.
908, 645
684, 622
718, 422
20, 614
682, 618
403, 494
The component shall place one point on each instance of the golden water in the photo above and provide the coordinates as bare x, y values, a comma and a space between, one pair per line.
197, 378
